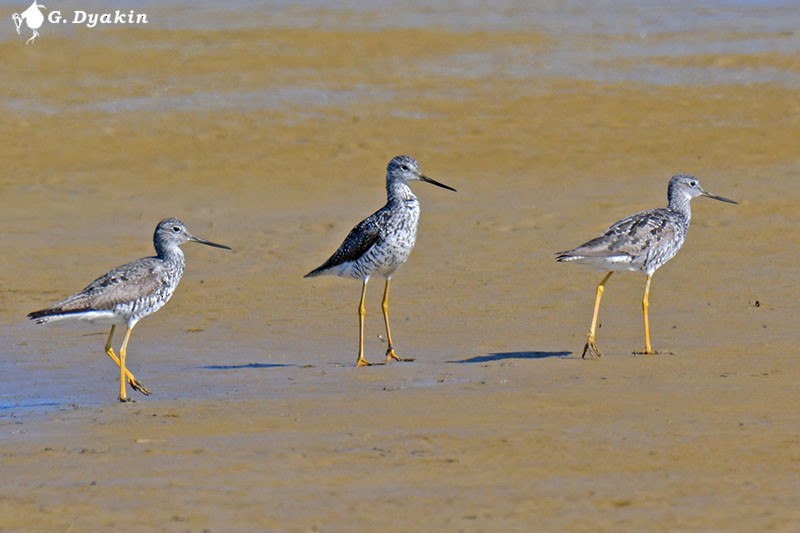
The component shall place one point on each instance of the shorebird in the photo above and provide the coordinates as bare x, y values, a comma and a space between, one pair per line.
380, 243
641, 242
128, 293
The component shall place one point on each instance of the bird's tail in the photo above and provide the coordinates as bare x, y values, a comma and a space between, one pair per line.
54, 313
314, 273
563, 257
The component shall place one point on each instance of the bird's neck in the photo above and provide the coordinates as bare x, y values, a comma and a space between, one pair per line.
681, 204
172, 254
398, 191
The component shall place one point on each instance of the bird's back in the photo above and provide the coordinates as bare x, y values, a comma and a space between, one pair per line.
122, 295
643, 241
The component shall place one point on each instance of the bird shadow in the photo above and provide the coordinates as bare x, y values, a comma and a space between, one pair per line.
250, 365
499, 356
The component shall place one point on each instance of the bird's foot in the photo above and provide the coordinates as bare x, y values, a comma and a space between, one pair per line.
125, 399
362, 362
590, 350
646, 352
139, 386
391, 356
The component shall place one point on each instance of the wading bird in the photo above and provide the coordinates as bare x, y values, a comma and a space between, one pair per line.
380, 243
641, 242
128, 293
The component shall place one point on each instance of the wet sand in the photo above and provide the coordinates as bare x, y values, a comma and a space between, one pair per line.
274, 142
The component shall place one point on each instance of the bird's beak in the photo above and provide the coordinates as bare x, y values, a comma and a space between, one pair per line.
720, 198
209, 243
423, 177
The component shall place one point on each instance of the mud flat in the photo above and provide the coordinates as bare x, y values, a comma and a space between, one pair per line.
274, 141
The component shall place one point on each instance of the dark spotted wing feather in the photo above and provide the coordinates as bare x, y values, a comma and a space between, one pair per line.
122, 284
360, 239
644, 238
641, 232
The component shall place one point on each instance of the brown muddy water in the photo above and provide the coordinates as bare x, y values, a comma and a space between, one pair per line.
268, 128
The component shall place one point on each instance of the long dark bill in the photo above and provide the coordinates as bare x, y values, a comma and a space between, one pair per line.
434, 182
209, 243
720, 198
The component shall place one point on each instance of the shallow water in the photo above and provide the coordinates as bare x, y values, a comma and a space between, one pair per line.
270, 133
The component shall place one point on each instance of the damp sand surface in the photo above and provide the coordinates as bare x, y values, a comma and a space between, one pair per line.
274, 140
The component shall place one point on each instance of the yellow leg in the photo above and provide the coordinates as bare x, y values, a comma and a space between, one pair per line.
123, 395
362, 312
390, 354
648, 350
135, 383
385, 306
590, 346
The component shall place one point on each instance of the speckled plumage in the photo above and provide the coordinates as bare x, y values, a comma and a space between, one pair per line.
646, 240
123, 295
128, 293
380, 243
641, 242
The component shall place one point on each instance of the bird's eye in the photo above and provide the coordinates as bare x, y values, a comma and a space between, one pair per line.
405, 167
176, 229
693, 183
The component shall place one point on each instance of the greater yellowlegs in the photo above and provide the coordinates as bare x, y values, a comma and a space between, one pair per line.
382, 242
129, 293
642, 242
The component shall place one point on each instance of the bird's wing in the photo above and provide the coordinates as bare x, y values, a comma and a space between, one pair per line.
638, 233
627, 238
118, 285
358, 242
